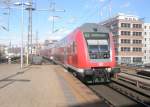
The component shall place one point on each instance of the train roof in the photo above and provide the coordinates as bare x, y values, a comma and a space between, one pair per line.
93, 27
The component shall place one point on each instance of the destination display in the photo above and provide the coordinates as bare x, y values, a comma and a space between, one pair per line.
96, 35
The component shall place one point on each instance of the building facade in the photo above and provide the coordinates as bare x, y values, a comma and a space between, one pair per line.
2, 50
146, 43
128, 38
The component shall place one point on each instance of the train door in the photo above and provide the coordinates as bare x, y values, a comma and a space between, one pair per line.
65, 55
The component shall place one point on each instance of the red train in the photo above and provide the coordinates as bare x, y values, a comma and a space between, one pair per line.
88, 52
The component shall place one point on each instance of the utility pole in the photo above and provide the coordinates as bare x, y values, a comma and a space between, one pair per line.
37, 44
30, 8
22, 31
53, 8
53, 23
29, 39
110, 8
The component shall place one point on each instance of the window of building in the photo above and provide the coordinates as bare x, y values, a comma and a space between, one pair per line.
137, 25
130, 18
114, 25
137, 49
145, 33
125, 33
137, 59
137, 41
115, 33
137, 33
126, 60
126, 41
145, 27
125, 49
145, 39
125, 25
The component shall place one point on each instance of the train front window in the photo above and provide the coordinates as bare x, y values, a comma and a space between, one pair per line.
98, 45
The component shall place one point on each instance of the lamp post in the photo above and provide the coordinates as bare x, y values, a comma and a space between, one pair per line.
30, 8
22, 28
53, 22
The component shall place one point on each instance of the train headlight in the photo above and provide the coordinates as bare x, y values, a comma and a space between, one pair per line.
109, 69
108, 56
105, 56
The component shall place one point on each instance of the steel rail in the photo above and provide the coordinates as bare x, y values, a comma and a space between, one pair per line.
126, 92
137, 75
132, 92
137, 82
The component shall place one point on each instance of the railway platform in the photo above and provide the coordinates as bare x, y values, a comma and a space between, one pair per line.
43, 86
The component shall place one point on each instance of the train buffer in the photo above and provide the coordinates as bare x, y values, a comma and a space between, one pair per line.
43, 86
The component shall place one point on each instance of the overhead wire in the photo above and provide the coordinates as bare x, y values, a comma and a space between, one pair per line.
90, 13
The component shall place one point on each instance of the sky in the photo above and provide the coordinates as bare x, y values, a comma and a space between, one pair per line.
77, 12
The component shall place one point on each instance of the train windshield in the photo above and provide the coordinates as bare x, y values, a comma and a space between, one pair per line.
98, 45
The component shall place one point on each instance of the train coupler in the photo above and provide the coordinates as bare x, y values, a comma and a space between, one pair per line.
97, 76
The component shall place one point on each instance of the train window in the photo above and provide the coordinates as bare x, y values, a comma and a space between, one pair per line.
98, 45
101, 45
74, 46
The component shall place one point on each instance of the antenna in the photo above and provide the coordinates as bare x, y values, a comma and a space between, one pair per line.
53, 8
110, 8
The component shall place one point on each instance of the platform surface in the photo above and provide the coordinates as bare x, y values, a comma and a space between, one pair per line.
43, 86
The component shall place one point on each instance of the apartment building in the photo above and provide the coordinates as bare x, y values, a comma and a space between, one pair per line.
128, 36
146, 43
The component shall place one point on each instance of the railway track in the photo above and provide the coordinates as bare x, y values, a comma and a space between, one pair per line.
112, 97
137, 75
135, 79
121, 94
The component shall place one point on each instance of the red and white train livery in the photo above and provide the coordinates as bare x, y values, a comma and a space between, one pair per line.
88, 52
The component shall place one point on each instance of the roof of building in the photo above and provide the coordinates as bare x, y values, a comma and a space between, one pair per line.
121, 16
93, 27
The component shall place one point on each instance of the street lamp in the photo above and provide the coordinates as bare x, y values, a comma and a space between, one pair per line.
54, 17
22, 28
30, 8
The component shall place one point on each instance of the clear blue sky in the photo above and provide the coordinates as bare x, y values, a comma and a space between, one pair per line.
77, 13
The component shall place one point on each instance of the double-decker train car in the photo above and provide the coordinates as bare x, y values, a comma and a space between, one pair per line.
88, 52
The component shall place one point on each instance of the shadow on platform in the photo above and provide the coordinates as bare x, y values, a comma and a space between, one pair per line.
103, 104
7, 80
